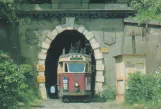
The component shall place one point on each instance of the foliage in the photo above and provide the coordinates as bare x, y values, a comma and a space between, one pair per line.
7, 10
108, 94
143, 88
15, 86
147, 9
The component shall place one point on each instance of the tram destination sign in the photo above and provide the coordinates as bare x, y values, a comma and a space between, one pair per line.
75, 58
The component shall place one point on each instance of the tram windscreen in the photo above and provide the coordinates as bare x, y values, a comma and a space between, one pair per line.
76, 67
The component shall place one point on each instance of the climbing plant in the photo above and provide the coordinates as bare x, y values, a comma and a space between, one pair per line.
147, 10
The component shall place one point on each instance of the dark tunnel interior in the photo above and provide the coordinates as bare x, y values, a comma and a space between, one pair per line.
63, 40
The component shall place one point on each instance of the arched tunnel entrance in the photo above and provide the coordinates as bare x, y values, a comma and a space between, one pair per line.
64, 40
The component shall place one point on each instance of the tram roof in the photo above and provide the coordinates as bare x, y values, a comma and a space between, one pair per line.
69, 54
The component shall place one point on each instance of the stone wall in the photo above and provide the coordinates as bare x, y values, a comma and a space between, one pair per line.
148, 41
108, 32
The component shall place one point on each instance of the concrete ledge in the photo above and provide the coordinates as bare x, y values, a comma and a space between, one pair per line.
154, 22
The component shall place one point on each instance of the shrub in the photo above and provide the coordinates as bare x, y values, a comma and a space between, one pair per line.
143, 88
15, 86
108, 94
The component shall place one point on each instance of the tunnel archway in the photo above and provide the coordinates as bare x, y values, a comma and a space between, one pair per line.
51, 41
63, 41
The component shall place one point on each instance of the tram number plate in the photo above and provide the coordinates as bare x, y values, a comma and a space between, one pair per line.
65, 81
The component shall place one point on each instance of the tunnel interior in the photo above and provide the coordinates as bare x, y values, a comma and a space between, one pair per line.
64, 40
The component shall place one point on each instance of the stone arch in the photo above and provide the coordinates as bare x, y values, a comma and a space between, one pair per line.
99, 79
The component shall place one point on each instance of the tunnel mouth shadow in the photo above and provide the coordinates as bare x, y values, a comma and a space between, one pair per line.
63, 40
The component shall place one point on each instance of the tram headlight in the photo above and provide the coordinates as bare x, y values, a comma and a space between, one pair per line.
76, 84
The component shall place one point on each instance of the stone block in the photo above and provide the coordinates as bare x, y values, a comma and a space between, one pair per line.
99, 61
76, 27
41, 74
42, 56
100, 78
40, 67
120, 98
81, 29
42, 62
42, 90
48, 40
97, 50
95, 45
100, 67
45, 45
92, 40
41, 79
98, 87
98, 56
44, 51
120, 90
99, 73
88, 35
52, 35
70, 22
59, 28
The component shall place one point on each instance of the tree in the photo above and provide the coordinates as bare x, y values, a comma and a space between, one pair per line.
147, 10
7, 11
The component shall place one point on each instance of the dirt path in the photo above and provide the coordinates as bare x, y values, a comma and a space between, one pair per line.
57, 104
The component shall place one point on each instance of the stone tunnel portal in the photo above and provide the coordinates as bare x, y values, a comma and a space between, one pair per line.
63, 40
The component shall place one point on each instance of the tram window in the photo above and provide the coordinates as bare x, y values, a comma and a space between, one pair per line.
66, 67
86, 70
76, 67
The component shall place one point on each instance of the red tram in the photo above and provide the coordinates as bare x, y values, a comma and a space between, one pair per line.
74, 76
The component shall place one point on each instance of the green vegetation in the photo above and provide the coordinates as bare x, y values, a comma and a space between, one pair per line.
147, 10
7, 11
17, 83
109, 94
144, 89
